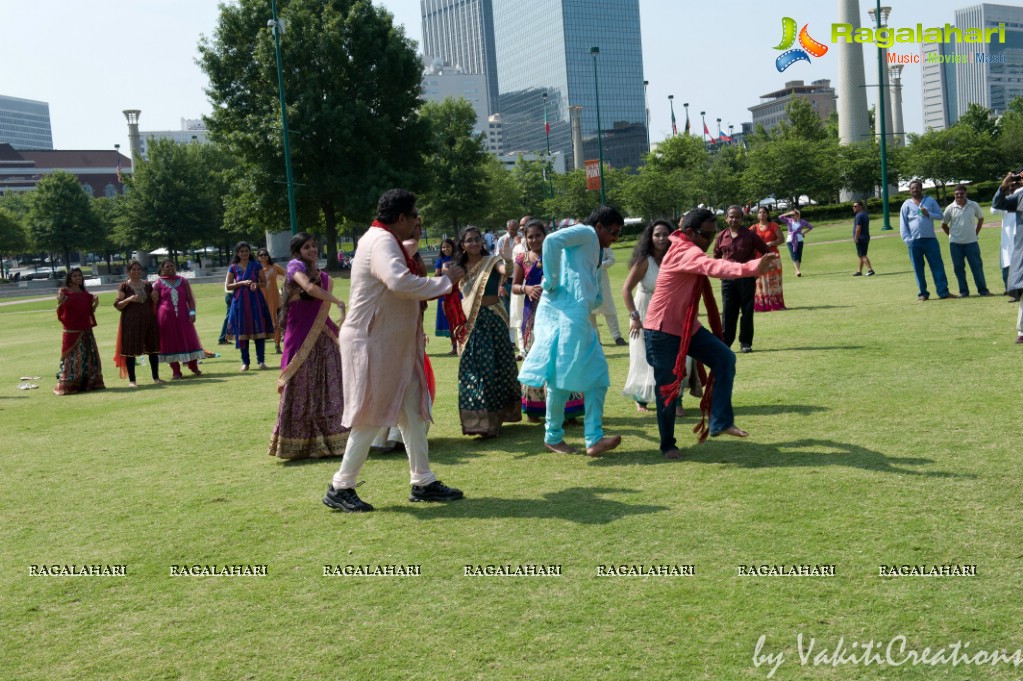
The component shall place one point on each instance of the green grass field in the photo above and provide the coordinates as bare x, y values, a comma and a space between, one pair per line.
883, 432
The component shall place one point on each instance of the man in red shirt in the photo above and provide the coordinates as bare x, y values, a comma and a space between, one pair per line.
738, 244
672, 330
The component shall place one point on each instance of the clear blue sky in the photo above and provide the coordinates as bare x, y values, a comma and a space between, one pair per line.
91, 60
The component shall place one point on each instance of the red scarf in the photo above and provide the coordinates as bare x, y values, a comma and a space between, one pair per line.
670, 392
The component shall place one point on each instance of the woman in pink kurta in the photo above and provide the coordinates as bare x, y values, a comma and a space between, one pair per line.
175, 315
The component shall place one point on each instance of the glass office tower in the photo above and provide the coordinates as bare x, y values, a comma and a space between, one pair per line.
543, 46
25, 123
462, 33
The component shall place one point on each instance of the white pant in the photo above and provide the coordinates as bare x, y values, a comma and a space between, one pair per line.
413, 431
515, 321
1019, 318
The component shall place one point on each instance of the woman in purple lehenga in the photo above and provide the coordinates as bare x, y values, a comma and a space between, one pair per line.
309, 414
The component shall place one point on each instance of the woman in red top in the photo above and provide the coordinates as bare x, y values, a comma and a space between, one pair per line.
769, 294
80, 367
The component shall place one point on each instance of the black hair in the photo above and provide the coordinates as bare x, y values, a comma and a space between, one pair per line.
393, 203
645, 244
461, 257
266, 252
765, 208
67, 277
450, 242
696, 217
237, 247
296, 244
605, 215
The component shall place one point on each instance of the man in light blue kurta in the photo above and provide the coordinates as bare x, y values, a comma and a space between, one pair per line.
566, 355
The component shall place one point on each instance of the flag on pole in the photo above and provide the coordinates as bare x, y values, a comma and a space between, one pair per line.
674, 129
706, 131
724, 138
118, 168
687, 121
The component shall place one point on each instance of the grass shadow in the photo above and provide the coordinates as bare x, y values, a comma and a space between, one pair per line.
813, 453
582, 505
758, 351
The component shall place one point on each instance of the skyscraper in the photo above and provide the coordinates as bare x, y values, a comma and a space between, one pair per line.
461, 32
25, 123
994, 81
543, 46
989, 74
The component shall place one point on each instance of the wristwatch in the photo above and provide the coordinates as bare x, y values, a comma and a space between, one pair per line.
634, 315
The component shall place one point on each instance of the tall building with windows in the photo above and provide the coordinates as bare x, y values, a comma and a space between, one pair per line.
960, 73
441, 81
461, 33
25, 123
192, 130
544, 47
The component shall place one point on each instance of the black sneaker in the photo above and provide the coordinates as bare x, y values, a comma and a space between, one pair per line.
621, 341
345, 500
857, 274
745, 349
870, 273
435, 491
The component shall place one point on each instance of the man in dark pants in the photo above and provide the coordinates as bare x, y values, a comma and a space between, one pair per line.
738, 244
672, 330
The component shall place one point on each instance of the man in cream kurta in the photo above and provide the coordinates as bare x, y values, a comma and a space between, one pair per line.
566, 355
382, 349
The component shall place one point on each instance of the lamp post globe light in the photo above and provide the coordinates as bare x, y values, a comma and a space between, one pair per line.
594, 51
276, 27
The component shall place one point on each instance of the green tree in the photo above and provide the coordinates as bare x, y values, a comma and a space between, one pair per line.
950, 155
533, 188
352, 80
107, 212
1010, 139
723, 180
859, 166
503, 196
167, 203
456, 164
979, 119
61, 217
13, 238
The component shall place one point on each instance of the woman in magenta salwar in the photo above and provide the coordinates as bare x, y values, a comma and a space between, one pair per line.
175, 315
311, 403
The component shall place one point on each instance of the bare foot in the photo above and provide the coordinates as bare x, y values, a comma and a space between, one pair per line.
604, 444
680, 413
733, 431
561, 448
673, 454
641, 408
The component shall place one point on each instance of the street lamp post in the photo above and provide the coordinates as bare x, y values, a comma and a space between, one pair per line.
880, 15
276, 27
671, 104
600, 135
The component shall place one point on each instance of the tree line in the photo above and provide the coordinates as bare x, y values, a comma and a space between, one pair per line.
358, 126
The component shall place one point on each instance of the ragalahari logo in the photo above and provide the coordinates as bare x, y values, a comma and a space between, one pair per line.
788, 36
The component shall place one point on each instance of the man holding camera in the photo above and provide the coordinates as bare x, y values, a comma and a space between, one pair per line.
916, 225
1007, 198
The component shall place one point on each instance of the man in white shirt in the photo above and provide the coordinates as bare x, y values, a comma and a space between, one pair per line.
961, 221
607, 307
505, 248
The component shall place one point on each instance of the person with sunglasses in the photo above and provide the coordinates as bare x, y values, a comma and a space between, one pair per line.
672, 331
566, 355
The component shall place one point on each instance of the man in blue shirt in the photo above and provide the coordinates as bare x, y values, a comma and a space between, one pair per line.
861, 237
916, 225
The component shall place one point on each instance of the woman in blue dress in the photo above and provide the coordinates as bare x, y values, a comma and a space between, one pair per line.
249, 317
447, 254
